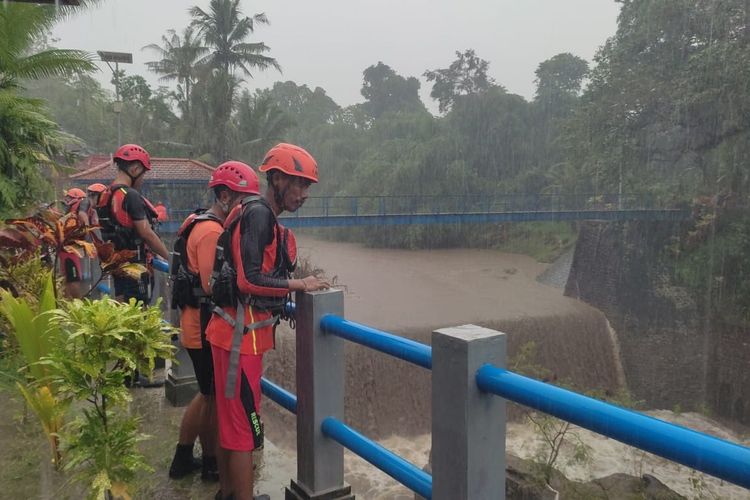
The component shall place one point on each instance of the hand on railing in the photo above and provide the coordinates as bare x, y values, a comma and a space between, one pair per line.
160, 265
312, 283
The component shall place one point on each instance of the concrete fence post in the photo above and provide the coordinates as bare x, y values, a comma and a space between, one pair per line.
320, 394
468, 426
180, 385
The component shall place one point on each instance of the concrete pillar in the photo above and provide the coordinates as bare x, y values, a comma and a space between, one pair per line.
468, 426
320, 394
180, 385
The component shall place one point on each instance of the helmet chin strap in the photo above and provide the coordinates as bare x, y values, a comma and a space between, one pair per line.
135, 178
279, 197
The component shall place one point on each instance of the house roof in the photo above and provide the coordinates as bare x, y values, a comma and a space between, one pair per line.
91, 161
173, 169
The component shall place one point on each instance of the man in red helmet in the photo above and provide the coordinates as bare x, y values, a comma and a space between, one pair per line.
70, 263
127, 218
192, 264
93, 193
258, 255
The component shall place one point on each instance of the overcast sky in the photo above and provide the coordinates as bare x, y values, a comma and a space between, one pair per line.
329, 43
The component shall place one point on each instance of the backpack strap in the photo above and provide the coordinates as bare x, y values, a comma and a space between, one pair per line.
224, 244
183, 233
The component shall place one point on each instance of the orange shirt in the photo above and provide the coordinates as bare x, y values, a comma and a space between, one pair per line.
201, 249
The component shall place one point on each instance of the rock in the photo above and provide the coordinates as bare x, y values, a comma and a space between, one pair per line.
524, 482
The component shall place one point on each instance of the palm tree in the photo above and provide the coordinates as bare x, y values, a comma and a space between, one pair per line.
28, 138
225, 30
20, 27
178, 61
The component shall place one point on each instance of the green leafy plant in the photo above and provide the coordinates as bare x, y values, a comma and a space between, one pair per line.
35, 333
103, 342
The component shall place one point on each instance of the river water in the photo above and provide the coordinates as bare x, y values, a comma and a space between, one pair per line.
412, 293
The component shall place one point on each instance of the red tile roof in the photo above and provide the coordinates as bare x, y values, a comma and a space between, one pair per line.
161, 169
91, 161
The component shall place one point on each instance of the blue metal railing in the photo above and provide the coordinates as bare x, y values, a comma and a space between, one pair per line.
404, 472
399, 347
722, 459
702, 452
708, 454
279, 395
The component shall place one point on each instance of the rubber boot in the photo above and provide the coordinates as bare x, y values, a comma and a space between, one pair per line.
209, 469
183, 462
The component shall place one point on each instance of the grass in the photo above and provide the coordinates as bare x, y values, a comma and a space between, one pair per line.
544, 241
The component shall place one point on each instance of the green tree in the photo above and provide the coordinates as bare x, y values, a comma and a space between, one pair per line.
308, 108
387, 91
465, 76
259, 124
213, 99
668, 106
178, 61
558, 82
494, 131
135, 88
225, 32
28, 138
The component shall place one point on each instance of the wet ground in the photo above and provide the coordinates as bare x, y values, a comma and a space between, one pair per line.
26, 471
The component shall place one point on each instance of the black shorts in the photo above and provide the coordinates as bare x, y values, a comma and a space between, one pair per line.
138, 289
203, 364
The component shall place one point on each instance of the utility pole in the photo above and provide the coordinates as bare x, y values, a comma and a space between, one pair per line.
117, 58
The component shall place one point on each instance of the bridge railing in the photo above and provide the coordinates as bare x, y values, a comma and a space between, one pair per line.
327, 206
427, 204
338, 211
468, 419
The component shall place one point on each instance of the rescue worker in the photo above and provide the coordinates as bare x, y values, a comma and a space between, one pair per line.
94, 192
259, 257
194, 252
70, 263
126, 219
161, 212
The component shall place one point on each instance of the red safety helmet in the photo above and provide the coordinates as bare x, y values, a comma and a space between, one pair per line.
131, 152
75, 193
292, 160
97, 188
237, 176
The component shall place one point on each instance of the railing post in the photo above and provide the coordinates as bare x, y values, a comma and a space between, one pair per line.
180, 385
320, 394
468, 426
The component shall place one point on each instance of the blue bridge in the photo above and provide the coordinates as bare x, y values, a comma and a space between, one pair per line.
341, 211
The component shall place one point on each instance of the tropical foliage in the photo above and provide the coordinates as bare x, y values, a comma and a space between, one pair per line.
102, 342
29, 140
31, 324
